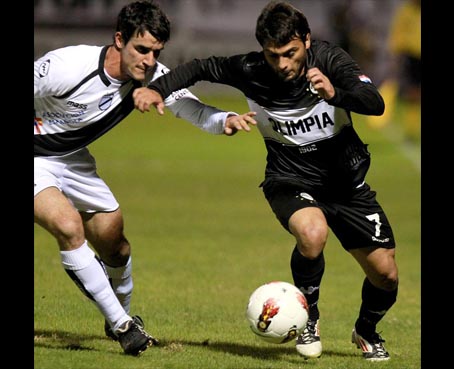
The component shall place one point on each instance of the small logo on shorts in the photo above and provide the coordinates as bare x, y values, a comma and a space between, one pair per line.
305, 197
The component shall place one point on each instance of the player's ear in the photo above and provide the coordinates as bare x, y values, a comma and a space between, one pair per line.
307, 41
118, 40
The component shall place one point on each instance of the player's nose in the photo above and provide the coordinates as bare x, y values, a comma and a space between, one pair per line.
150, 60
282, 64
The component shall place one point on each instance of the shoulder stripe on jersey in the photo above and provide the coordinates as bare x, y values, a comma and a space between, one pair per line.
99, 72
102, 57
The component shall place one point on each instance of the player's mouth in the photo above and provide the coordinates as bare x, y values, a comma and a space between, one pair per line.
140, 72
287, 76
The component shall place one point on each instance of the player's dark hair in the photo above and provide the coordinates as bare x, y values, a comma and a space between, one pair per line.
279, 23
141, 16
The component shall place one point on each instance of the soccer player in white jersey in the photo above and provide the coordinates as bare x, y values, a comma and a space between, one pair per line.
304, 91
80, 93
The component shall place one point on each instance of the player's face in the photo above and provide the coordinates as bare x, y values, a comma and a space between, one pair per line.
288, 61
139, 55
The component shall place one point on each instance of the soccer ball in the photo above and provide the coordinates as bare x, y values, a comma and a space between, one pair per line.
277, 312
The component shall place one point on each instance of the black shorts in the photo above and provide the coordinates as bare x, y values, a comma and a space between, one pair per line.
357, 220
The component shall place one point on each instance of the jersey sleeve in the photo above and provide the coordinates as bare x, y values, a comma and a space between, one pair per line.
54, 73
184, 104
354, 90
205, 117
212, 69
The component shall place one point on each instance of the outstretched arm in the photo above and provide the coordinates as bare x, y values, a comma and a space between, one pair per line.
145, 98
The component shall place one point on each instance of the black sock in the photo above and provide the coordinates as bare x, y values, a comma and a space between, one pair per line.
307, 276
375, 303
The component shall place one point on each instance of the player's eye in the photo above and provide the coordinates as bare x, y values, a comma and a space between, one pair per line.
272, 55
156, 53
143, 50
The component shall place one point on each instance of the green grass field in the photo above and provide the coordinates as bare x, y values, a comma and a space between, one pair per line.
203, 238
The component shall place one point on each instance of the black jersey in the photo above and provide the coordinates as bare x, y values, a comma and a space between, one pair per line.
309, 140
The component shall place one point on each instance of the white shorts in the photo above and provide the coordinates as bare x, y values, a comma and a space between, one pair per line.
75, 176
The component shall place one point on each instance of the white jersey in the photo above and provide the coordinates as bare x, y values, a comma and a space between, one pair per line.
76, 101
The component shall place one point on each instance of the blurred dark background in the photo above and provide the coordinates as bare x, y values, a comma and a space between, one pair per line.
222, 27
383, 36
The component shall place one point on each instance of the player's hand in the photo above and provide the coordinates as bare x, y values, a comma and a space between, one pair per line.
145, 97
235, 123
321, 83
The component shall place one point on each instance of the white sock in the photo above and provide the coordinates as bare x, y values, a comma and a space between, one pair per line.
121, 281
88, 274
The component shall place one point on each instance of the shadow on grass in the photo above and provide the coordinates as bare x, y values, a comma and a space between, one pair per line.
271, 352
63, 340
51, 339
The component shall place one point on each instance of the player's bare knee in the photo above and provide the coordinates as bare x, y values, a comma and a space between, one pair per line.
69, 232
312, 246
312, 240
388, 281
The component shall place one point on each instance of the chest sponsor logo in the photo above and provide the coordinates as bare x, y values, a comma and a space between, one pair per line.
305, 125
76, 105
106, 102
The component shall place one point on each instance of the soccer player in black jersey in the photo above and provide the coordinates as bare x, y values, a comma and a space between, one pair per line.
303, 91
80, 93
